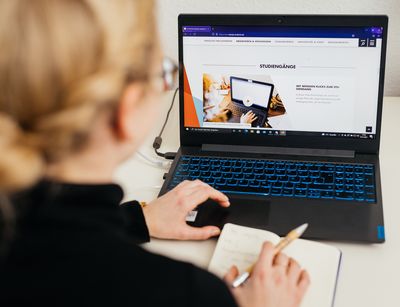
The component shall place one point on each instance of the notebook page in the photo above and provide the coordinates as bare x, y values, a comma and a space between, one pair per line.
241, 246
322, 262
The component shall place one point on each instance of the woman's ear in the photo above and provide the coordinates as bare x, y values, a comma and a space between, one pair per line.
127, 111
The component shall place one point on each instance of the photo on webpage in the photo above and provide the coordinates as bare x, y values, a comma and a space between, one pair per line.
241, 101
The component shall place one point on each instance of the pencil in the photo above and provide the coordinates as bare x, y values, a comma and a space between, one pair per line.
292, 235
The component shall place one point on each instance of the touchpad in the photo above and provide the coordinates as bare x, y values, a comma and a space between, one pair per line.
252, 213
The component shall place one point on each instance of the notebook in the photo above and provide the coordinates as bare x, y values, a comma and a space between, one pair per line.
240, 246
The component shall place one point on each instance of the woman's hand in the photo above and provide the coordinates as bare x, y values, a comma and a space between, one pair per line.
276, 281
248, 118
166, 216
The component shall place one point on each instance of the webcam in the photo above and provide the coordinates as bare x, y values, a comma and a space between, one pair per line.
280, 20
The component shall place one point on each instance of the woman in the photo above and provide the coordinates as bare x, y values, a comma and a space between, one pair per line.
79, 81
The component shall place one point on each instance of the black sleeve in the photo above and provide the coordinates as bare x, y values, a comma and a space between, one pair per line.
209, 290
135, 222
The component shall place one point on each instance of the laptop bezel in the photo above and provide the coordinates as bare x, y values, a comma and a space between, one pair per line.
197, 138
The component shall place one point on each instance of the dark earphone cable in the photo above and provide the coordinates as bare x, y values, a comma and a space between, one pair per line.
158, 140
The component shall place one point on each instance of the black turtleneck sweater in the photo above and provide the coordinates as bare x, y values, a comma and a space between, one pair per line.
76, 245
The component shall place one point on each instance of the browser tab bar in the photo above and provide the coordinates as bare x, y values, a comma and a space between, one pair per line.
196, 29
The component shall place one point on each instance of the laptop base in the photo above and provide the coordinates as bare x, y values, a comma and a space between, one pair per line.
328, 219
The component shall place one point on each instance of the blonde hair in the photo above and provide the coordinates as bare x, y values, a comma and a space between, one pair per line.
61, 63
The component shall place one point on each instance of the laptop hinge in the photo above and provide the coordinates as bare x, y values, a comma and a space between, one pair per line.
280, 150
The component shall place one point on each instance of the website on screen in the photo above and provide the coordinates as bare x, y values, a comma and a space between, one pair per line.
282, 80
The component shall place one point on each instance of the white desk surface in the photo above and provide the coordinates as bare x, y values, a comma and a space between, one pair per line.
370, 273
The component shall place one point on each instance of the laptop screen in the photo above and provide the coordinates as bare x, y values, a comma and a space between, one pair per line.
250, 92
309, 81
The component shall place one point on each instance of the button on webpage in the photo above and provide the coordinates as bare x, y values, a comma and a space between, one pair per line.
363, 42
372, 42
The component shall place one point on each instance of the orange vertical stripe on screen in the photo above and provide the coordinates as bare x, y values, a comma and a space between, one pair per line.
190, 115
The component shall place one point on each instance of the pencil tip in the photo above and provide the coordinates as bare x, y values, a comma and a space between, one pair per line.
300, 230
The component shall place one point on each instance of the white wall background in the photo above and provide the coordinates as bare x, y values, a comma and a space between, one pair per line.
169, 10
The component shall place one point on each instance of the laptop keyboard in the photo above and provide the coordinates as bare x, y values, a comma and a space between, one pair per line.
321, 180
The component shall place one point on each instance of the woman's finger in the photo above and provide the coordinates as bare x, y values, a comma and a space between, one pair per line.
183, 184
202, 193
281, 260
189, 186
231, 275
199, 233
280, 264
265, 258
293, 270
193, 193
304, 281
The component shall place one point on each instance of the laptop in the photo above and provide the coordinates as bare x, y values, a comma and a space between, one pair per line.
249, 95
318, 159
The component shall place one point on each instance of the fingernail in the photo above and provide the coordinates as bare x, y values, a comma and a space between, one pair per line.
215, 232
